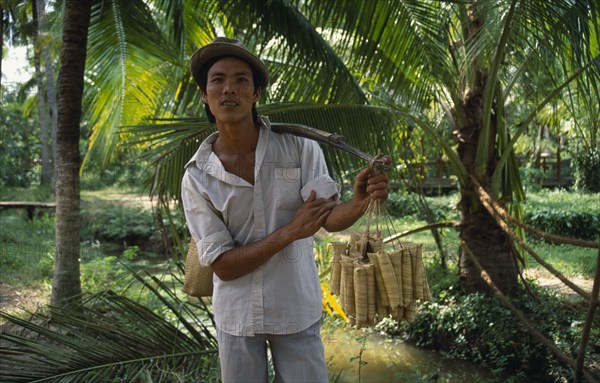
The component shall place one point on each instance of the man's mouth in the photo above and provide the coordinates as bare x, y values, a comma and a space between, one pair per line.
229, 103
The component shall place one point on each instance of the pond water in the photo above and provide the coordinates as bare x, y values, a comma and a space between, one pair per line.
391, 360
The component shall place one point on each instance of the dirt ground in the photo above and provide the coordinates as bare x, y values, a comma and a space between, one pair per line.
546, 279
13, 299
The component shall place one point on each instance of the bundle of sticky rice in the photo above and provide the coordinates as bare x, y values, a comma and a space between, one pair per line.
373, 283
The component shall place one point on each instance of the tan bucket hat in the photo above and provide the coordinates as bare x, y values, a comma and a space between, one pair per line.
224, 46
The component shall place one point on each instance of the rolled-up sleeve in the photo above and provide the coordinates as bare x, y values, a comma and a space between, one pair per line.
204, 222
314, 173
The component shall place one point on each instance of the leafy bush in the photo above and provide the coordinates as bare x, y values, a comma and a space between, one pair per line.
101, 273
582, 225
480, 329
587, 176
564, 213
128, 226
474, 328
531, 178
401, 204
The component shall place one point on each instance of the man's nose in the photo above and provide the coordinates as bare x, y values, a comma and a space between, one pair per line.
229, 87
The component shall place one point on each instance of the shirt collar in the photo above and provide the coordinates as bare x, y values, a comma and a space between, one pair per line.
204, 151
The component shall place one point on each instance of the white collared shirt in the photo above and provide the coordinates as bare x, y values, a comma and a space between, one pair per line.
223, 211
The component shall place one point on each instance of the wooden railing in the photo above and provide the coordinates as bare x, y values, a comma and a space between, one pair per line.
434, 175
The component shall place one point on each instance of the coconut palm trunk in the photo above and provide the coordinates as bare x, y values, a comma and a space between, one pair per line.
66, 283
479, 232
478, 151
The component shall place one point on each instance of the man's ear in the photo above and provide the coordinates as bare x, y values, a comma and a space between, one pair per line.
204, 100
257, 94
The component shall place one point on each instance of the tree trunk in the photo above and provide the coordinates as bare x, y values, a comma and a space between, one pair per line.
43, 112
479, 232
66, 282
50, 89
2, 41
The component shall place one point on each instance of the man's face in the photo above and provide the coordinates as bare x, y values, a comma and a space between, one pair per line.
230, 91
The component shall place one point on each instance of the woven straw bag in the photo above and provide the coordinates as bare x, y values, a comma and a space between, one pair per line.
198, 280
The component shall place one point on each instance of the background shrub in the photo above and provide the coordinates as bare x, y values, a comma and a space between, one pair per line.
480, 329
587, 175
128, 226
582, 225
402, 204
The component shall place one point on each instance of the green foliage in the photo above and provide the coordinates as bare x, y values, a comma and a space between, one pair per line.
109, 337
19, 143
131, 252
125, 170
127, 226
587, 176
26, 249
568, 214
479, 329
582, 225
532, 178
101, 273
401, 204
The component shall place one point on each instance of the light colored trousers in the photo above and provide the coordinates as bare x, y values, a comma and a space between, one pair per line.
298, 357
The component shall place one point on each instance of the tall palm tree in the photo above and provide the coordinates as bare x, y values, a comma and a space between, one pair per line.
46, 176
66, 280
455, 70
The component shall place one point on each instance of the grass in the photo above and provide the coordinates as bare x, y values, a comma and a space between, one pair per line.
564, 200
569, 260
27, 249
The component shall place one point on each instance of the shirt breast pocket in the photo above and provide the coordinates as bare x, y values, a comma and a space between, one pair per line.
287, 186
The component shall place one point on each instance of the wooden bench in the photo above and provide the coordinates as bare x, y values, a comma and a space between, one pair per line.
29, 206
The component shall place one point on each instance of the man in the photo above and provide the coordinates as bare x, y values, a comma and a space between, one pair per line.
253, 199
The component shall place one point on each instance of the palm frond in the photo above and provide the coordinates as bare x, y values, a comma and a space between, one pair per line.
304, 66
523, 125
109, 337
128, 66
170, 143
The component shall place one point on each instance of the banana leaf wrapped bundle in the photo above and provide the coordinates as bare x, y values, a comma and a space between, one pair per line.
374, 281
